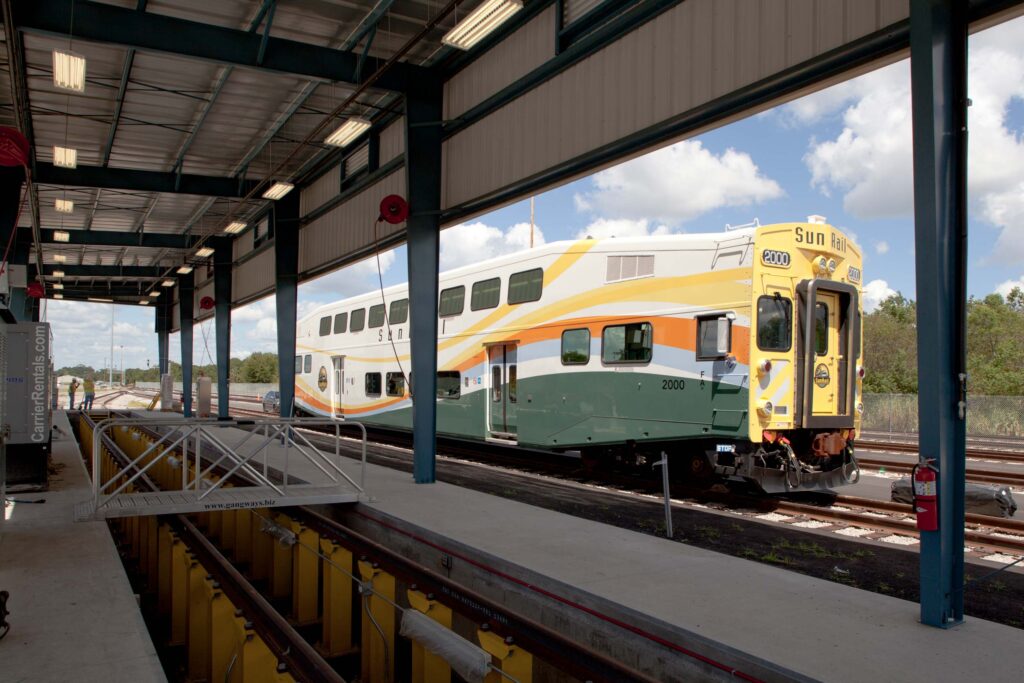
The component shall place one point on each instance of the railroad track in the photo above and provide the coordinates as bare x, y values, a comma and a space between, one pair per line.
911, 447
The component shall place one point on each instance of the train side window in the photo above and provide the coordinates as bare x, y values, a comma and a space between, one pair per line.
449, 384
486, 294
373, 384
632, 343
399, 312
325, 326
376, 316
512, 382
496, 383
298, 365
820, 329
774, 323
340, 323
358, 320
576, 347
309, 364
714, 337
453, 300
395, 384
525, 286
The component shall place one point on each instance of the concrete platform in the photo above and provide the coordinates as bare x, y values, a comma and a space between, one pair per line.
73, 613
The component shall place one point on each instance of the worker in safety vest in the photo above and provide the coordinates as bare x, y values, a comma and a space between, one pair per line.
71, 393
89, 387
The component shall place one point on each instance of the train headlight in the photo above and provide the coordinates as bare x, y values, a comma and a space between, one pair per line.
764, 367
832, 265
821, 265
765, 408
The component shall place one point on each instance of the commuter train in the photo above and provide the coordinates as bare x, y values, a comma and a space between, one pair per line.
736, 353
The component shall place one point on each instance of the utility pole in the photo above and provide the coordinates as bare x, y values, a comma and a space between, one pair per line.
110, 375
122, 365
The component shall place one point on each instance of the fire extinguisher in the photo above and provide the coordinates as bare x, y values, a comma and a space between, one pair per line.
926, 495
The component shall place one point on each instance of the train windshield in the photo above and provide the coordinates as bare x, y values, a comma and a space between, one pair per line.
774, 323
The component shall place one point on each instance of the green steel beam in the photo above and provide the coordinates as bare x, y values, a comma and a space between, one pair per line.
141, 181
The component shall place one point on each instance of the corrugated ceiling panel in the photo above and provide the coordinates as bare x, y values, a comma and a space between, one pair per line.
320, 190
348, 228
695, 52
357, 160
392, 141
255, 276
512, 58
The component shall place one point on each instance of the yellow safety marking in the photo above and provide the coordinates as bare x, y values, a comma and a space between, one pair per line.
378, 650
224, 642
515, 662
305, 575
336, 636
198, 624
426, 666
281, 564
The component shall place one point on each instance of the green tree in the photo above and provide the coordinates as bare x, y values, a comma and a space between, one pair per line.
890, 347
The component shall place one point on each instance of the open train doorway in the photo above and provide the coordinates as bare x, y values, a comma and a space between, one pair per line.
338, 386
502, 373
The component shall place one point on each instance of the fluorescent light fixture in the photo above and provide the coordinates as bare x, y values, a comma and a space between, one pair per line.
144, 302
65, 157
347, 132
68, 71
204, 252
184, 270
58, 295
167, 283
236, 227
156, 292
61, 236
278, 190
58, 273
57, 285
60, 258
64, 205
100, 301
479, 23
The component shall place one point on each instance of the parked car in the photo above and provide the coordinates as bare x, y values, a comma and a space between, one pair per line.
272, 402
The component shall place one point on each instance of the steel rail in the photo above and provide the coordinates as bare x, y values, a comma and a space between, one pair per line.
911, 447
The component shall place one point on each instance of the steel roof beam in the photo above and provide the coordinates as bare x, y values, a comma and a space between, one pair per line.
141, 181
111, 238
97, 22
126, 272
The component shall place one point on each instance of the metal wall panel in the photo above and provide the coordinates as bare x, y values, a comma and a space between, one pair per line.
349, 228
574, 9
689, 55
320, 190
253, 278
356, 161
509, 60
392, 141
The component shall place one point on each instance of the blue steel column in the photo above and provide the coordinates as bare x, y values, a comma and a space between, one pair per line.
163, 332
223, 256
286, 263
938, 68
186, 305
423, 115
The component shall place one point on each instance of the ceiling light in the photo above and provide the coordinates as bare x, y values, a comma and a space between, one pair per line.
57, 285
64, 206
204, 252
65, 157
236, 227
58, 273
481, 22
278, 190
347, 132
58, 295
184, 270
167, 283
68, 71
144, 302
61, 236
60, 258
156, 292
100, 301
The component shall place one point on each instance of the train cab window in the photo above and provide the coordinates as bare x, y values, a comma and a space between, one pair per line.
576, 347
452, 301
340, 323
714, 337
486, 294
298, 365
325, 326
774, 323
820, 329
525, 286
309, 364
449, 384
358, 320
632, 343
399, 312
395, 385
373, 384
376, 316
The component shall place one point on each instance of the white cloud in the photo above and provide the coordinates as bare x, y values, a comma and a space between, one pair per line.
468, 243
875, 292
81, 334
882, 247
677, 184
357, 278
870, 162
1006, 287
621, 227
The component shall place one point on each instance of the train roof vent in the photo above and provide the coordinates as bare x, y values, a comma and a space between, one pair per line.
629, 267
816, 219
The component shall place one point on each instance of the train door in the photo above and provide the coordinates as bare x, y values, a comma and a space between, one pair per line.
828, 359
503, 397
338, 386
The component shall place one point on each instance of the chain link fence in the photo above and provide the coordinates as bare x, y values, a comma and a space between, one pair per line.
986, 415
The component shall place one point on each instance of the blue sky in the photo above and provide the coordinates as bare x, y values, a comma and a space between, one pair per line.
843, 152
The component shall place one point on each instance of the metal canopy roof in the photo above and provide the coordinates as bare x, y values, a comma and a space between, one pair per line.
188, 104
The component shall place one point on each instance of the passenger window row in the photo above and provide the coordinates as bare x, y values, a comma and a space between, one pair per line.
397, 315
634, 342
449, 384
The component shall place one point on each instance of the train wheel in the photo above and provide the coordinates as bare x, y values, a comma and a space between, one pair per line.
698, 468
